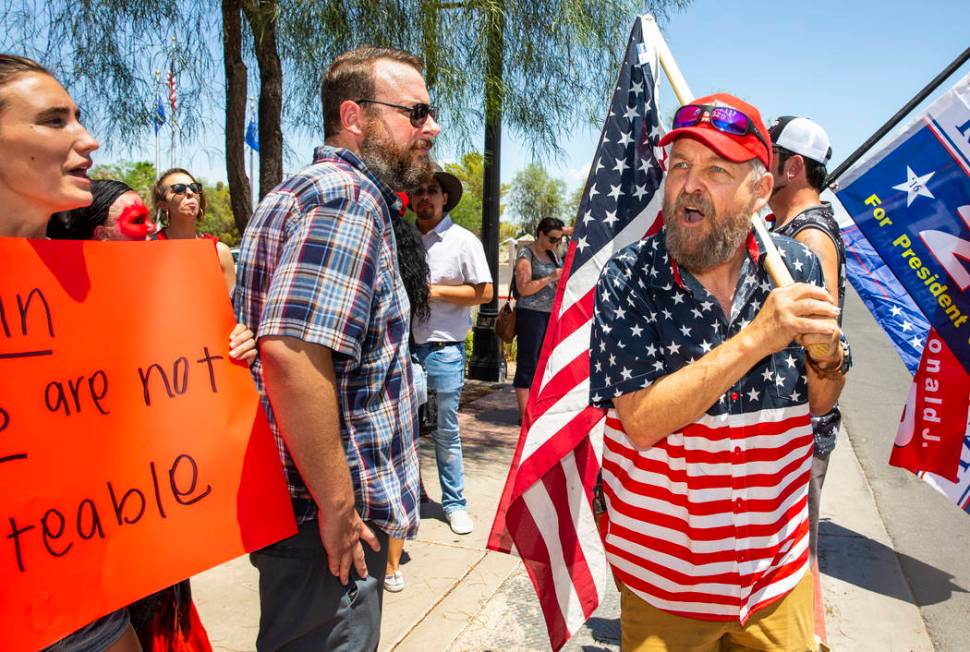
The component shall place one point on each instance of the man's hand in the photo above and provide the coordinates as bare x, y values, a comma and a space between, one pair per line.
823, 349
341, 533
801, 312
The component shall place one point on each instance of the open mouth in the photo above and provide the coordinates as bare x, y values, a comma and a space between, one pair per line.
80, 172
692, 215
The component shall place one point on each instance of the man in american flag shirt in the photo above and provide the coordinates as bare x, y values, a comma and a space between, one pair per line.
708, 439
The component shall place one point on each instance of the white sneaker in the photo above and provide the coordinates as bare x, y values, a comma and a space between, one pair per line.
394, 582
460, 521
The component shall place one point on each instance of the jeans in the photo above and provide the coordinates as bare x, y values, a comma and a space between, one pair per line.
445, 366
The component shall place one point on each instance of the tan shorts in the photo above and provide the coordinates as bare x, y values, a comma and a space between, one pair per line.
785, 626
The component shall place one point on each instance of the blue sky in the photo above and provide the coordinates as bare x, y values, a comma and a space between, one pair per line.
849, 65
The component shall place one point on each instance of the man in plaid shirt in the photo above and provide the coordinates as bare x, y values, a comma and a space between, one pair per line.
318, 277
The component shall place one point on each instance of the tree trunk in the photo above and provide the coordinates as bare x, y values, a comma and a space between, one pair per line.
262, 15
240, 190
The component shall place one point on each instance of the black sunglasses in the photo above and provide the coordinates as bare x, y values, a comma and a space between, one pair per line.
418, 113
722, 118
180, 188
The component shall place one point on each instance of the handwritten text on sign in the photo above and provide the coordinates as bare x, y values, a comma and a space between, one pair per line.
133, 451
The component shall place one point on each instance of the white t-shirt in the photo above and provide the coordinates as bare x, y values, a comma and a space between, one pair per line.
455, 257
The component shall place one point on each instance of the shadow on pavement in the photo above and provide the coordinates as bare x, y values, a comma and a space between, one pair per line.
604, 630
855, 558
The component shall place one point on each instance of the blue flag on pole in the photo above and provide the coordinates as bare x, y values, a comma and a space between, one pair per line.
159, 114
908, 249
252, 134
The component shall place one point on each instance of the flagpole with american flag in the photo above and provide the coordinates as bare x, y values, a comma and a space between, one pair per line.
158, 120
546, 511
172, 102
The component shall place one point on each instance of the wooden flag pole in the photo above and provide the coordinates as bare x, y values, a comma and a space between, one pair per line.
779, 273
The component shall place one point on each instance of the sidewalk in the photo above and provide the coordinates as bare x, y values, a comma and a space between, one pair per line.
461, 597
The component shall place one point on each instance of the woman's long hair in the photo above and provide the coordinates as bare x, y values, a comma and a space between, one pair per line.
413, 262
80, 223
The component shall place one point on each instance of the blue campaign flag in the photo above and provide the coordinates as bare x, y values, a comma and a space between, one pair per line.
909, 247
252, 134
159, 114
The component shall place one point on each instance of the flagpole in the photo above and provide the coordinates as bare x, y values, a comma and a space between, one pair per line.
674, 76
171, 91
158, 127
252, 158
897, 118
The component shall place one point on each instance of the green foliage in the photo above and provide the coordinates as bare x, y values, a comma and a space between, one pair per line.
218, 215
507, 230
536, 195
140, 176
471, 171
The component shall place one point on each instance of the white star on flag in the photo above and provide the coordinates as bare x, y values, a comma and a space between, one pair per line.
915, 186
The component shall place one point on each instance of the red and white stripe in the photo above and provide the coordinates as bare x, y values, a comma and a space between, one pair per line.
172, 98
546, 501
712, 522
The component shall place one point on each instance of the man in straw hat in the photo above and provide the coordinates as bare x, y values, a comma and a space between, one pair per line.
459, 278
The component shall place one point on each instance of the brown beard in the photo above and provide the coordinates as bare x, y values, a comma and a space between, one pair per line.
399, 166
701, 253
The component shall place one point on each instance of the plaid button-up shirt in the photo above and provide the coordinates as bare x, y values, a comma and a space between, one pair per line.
318, 262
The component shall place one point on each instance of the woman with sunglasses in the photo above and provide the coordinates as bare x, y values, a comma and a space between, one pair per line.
537, 271
45, 154
179, 203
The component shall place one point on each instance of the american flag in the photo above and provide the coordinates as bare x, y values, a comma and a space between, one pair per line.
172, 98
545, 510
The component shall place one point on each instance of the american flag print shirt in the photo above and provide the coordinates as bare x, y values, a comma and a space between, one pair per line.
318, 262
712, 521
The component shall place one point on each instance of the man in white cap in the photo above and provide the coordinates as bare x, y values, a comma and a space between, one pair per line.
459, 279
801, 150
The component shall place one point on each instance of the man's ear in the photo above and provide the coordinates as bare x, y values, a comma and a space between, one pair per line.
761, 189
794, 166
352, 117
100, 232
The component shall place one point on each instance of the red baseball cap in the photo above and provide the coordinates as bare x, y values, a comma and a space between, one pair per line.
732, 147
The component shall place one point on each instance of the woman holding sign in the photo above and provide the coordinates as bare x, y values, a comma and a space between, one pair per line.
166, 620
45, 155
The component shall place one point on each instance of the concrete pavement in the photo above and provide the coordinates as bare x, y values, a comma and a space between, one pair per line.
461, 597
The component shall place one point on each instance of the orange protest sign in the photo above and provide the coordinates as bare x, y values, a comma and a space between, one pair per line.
133, 450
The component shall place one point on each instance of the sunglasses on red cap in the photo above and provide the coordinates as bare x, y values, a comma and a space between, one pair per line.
722, 118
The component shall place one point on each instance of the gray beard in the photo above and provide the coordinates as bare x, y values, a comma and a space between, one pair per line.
716, 248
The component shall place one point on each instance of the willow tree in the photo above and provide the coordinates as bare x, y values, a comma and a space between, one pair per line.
538, 67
